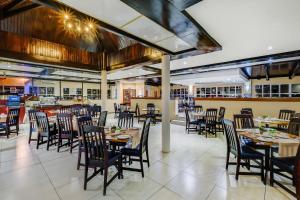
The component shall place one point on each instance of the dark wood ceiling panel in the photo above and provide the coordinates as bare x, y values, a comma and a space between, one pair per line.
169, 15
32, 24
34, 50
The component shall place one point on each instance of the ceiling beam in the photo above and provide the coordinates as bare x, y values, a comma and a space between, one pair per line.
17, 11
12, 4
267, 71
246, 73
296, 67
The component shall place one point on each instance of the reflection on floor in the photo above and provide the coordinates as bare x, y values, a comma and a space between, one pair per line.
194, 169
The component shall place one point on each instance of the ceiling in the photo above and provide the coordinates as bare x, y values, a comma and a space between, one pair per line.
245, 29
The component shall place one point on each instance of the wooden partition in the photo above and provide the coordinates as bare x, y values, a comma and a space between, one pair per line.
260, 106
142, 102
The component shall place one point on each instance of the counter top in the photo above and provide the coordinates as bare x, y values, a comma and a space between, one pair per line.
250, 99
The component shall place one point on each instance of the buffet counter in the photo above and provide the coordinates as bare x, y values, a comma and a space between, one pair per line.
260, 106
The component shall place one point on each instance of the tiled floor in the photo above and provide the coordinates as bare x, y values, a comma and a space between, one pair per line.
194, 169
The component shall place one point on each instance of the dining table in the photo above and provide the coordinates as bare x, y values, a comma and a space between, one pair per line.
287, 144
198, 115
268, 121
145, 110
124, 136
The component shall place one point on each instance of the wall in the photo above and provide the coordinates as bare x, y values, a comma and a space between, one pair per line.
139, 86
142, 102
47, 83
14, 81
151, 90
259, 107
90, 86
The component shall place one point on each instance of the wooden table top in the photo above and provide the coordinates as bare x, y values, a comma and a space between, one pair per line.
145, 109
133, 133
272, 121
267, 138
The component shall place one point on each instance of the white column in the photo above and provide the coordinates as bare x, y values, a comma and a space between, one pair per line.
165, 98
103, 89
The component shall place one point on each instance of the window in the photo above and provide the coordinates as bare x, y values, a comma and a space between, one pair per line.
266, 91
284, 90
275, 90
295, 90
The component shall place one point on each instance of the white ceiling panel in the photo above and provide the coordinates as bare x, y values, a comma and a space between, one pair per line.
227, 76
76, 74
19, 74
147, 30
245, 29
121, 74
174, 44
19, 67
113, 12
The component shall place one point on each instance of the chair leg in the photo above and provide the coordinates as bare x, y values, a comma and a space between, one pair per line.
30, 134
37, 142
71, 145
105, 180
85, 177
142, 167
237, 169
48, 143
79, 158
227, 158
271, 173
262, 171
147, 154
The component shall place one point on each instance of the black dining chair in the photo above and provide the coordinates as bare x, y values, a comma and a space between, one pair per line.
140, 117
102, 119
197, 108
294, 126
125, 120
32, 124
296, 115
136, 153
189, 124
285, 167
242, 153
209, 124
11, 125
285, 115
66, 131
45, 131
94, 111
247, 111
151, 112
220, 120
81, 121
98, 157
116, 110
243, 121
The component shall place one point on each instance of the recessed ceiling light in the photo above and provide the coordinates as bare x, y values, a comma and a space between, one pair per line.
270, 48
184, 62
8, 66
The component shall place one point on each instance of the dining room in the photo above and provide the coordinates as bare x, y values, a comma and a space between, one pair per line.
149, 100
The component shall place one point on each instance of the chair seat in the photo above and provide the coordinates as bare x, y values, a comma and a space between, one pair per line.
285, 163
112, 158
130, 151
194, 122
247, 152
3, 125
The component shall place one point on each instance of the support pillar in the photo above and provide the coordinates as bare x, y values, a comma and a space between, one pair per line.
165, 98
103, 89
